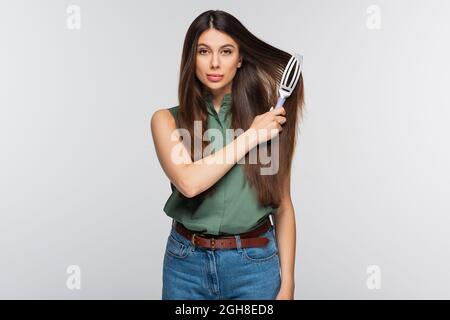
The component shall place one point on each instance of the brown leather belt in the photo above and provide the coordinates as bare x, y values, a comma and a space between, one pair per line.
248, 239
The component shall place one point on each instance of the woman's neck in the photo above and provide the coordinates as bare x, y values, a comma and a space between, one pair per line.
217, 99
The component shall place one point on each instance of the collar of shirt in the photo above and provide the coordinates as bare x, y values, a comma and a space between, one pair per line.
224, 106
221, 120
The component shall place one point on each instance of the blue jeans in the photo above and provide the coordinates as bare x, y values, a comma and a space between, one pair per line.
193, 273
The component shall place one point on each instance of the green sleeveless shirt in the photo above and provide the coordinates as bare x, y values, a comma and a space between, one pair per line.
234, 207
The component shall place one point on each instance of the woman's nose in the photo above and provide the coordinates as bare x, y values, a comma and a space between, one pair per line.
215, 61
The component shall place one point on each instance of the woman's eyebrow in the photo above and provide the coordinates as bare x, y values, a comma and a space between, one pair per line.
225, 45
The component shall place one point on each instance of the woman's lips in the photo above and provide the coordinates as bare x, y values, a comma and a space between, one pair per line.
214, 78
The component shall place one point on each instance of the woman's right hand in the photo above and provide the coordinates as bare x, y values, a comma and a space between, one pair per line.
265, 123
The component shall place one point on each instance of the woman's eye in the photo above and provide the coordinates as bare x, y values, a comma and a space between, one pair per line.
202, 51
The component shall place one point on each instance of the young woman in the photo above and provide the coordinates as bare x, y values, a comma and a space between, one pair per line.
222, 243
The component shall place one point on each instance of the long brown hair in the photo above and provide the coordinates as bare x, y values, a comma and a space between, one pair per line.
254, 91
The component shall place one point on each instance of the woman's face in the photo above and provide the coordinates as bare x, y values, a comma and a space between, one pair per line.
217, 60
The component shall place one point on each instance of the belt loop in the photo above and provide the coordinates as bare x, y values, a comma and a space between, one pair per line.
238, 243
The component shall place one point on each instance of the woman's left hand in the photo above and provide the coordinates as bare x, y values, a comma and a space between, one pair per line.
284, 294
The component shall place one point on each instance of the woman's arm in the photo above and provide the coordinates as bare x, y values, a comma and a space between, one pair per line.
285, 230
192, 178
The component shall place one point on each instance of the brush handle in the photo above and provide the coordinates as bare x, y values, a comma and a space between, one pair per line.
280, 102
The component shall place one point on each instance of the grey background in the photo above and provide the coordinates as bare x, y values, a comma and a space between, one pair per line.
80, 183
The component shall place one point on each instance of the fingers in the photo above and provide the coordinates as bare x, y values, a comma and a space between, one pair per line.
279, 110
280, 119
277, 125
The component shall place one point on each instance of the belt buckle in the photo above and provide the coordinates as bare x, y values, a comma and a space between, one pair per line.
193, 239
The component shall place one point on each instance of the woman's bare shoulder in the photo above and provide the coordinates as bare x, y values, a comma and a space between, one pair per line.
163, 116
